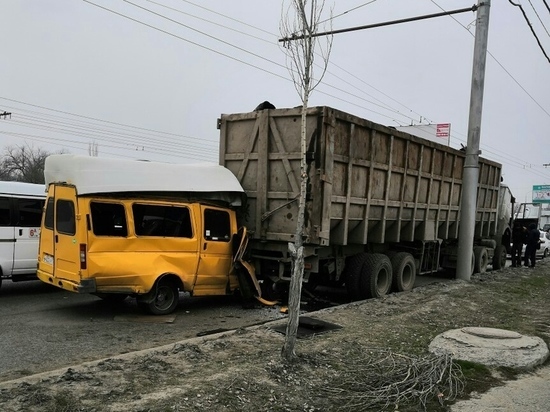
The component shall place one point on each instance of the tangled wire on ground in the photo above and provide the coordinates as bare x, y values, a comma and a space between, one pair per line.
386, 378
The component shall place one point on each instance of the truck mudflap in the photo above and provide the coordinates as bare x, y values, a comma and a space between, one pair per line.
249, 269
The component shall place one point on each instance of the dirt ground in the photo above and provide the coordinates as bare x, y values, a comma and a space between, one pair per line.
243, 370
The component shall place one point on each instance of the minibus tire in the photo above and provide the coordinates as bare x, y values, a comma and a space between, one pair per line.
163, 298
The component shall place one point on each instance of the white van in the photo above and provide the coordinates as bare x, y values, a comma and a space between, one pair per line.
21, 206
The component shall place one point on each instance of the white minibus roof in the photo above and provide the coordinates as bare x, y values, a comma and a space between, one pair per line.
22, 189
106, 175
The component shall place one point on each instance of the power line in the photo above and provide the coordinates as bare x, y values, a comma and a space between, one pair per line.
225, 55
184, 39
203, 33
240, 48
210, 21
71, 143
538, 17
348, 11
531, 27
500, 64
385, 106
127, 144
107, 135
287, 79
98, 120
226, 16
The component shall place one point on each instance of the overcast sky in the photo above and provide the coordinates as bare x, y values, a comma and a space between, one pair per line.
134, 84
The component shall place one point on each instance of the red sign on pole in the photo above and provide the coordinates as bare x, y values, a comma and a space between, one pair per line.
443, 130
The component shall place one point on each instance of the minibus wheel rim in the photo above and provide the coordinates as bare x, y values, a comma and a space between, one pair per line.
166, 298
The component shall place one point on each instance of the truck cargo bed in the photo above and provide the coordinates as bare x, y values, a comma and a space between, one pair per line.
368, 183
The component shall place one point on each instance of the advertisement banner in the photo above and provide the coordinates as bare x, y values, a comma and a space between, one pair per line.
541, 193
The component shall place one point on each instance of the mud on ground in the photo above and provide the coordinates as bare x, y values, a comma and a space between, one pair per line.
243, 370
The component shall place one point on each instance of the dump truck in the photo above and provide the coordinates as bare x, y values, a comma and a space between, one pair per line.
382, 206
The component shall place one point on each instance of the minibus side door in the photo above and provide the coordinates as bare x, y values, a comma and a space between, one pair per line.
215, 253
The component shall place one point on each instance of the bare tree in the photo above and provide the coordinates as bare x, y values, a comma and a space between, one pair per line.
23, 163
299, 25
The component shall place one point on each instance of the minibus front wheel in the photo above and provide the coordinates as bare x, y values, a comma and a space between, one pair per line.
162, 299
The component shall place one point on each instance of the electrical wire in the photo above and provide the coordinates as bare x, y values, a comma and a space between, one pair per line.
115, 132
531, 27
107, 136
100, 120
225, 54
203, 33
500, 64
347, 11
210, 21
126, 144
70, 144
185, 40
270, 61
227, 17
538, 17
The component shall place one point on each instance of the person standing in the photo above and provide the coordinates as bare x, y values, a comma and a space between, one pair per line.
533, 238
519, 234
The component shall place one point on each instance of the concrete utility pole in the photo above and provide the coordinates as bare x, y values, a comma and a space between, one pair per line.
471, 165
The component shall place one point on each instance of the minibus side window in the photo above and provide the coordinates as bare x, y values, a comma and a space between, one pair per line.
108, 219
217, 225
5, 219
30, 212
48, 216
162, 221
64, 217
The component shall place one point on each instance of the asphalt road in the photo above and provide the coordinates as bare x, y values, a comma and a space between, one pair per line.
44, 328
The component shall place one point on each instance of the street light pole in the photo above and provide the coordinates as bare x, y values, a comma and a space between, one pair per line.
471, 164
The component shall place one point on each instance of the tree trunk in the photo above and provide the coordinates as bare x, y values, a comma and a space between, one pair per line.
297, 249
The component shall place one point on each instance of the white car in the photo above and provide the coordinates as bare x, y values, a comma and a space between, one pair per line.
544, 250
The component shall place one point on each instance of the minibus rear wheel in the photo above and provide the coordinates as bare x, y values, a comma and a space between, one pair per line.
162, 299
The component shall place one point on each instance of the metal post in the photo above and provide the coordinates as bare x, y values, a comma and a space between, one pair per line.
471, 165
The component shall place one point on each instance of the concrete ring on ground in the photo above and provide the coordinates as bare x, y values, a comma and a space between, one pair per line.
492, 347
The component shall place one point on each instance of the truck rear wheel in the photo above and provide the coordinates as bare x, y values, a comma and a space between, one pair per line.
404, 271
376, 276
162, 299
499, 259
481, 259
